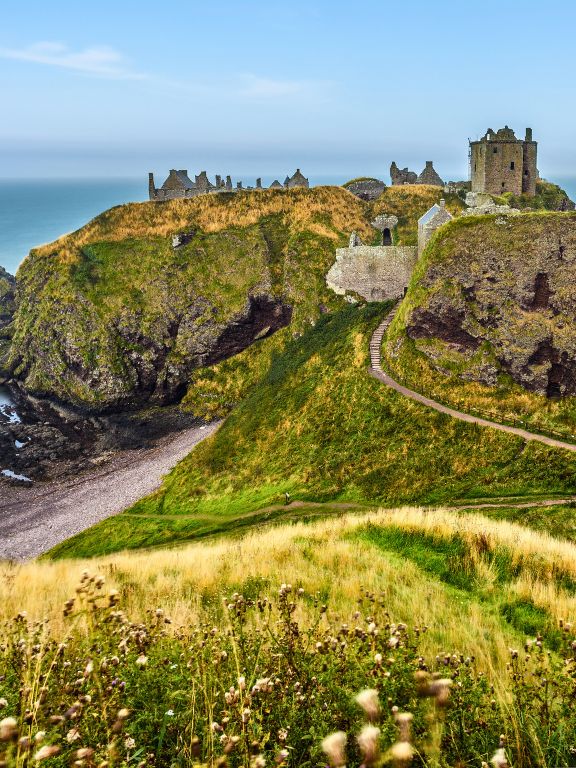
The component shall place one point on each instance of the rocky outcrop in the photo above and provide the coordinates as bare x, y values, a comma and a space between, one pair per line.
498, 295
7, 308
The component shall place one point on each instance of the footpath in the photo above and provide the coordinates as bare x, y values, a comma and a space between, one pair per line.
376, 372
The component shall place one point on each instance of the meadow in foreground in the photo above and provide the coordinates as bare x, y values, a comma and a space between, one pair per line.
201, 654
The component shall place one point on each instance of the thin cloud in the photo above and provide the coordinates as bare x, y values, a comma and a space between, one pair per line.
256, 87
100, 60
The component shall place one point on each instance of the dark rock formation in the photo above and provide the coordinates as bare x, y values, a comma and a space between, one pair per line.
499, 295
7, 308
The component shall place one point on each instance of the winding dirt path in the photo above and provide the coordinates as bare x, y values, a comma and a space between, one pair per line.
376, 371
33, 520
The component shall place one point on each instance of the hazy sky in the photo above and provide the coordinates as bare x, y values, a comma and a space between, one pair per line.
257, 87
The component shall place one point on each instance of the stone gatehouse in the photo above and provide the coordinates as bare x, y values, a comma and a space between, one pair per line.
381, 272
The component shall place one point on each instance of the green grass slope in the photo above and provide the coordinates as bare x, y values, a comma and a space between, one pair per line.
318, 427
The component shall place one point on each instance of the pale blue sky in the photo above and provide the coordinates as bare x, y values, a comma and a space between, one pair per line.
257, 87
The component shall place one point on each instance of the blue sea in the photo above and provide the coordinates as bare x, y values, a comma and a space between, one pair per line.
33, 212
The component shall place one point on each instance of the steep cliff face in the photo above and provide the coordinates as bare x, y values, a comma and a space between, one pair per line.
497, 296
7, 308
114, 315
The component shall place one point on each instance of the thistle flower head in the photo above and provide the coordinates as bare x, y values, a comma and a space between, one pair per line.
8, 729
334, 746
368, 741
499, 760
401, 753
368, 701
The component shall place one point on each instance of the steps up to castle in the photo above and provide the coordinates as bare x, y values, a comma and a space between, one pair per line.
376, 340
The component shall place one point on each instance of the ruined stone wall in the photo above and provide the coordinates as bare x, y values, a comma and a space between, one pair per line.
530, 170
376, 273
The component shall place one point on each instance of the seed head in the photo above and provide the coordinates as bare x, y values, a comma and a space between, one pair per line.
500, 760
368, 700
49, 750
8, 729
401, 753
368, 741
334, 747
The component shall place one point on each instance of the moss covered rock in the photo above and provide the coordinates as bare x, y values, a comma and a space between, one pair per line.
496, 295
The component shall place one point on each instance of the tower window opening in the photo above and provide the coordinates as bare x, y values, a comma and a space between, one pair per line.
495, 150
526, 173
512, 166
503, 184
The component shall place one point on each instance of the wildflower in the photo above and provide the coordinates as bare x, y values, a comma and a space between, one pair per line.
39, 737
368, 743
8, 729
440, 689
378, 659
72, 735
401, 752
84, 753
368, 700
170, 713
49, 750
3, 703
500, 760
123, 714
282, 735
258, 761
129, 742
282, 756
403, 721
245, 715
334, 746
242, 683
142, 660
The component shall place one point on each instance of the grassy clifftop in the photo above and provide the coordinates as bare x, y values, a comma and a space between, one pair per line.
113, 315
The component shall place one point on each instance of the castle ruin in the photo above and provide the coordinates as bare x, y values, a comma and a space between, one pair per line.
499, 162
404, 176
178, 184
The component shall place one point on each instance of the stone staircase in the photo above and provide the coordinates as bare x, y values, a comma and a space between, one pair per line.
376, 340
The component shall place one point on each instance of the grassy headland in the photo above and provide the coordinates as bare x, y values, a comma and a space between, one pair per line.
319, 428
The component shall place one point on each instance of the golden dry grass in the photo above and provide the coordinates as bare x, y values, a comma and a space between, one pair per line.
323, 558
301, 209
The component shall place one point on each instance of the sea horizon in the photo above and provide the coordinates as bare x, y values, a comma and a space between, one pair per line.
41, 210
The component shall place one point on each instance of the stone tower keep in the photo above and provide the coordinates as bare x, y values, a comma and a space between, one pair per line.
499, 162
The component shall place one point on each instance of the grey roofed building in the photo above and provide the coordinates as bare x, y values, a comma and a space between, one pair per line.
297, 180
276, 185
434, 217
178, 180
430, 176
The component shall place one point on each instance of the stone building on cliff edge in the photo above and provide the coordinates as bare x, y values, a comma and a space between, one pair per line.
178, 184
499, 162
